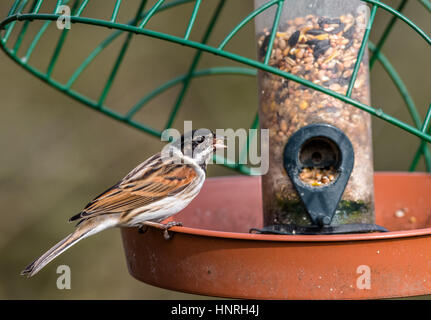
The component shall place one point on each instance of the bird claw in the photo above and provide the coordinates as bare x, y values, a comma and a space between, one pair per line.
167, 235
169, 225
164, 227
173, 224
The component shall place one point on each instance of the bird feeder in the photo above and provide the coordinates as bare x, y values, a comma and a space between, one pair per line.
320, 224
318, 41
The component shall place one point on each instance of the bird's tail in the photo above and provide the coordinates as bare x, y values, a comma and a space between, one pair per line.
84, 229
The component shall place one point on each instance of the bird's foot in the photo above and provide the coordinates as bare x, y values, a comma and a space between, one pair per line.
164, 226
169, 225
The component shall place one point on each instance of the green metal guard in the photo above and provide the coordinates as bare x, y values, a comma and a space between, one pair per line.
28, 11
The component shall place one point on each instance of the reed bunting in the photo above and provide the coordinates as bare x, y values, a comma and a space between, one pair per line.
156, 189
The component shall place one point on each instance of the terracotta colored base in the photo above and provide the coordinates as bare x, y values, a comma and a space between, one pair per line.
213, 254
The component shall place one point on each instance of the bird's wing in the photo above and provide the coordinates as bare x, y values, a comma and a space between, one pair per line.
147, 183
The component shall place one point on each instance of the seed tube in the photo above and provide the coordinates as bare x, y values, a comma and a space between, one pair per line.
319, 42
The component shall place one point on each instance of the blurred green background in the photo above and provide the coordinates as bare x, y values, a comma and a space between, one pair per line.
57, 154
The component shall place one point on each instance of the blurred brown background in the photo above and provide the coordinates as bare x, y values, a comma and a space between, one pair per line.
57, 154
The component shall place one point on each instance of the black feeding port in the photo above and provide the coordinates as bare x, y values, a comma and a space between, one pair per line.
319, 152
318, 147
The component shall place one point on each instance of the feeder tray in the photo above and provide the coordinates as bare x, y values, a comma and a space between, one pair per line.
214, 253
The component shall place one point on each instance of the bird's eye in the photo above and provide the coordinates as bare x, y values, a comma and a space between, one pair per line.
200, 139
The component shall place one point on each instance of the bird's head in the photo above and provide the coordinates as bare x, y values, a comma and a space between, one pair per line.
199, 145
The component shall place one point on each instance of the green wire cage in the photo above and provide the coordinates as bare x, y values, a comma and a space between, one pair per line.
24, 12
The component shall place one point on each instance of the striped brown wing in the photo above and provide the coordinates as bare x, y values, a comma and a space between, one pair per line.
144, 185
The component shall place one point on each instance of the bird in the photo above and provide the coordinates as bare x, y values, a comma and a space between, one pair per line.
156, 189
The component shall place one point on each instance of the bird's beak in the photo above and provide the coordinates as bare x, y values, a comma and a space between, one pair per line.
219, 142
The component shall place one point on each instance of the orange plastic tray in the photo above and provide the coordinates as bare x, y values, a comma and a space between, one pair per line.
213, 253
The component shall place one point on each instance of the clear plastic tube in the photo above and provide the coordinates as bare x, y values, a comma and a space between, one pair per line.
317, 40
